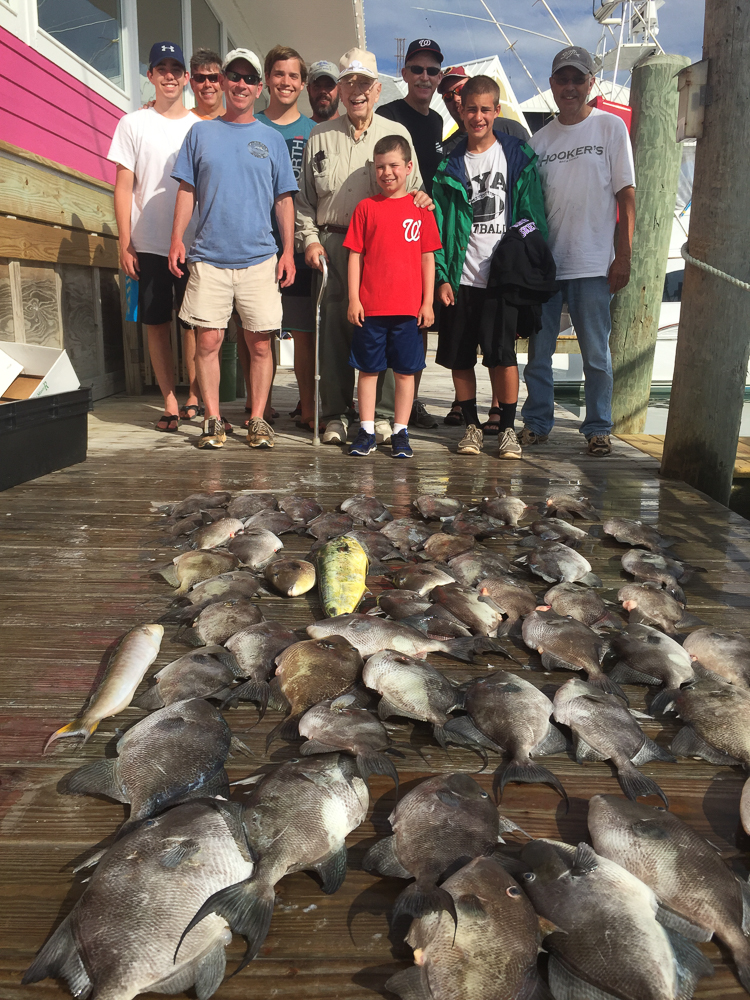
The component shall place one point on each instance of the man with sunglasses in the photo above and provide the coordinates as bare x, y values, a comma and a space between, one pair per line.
450, 87
205, 82
238, 170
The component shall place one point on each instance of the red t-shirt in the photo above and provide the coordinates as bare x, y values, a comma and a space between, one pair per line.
391, 234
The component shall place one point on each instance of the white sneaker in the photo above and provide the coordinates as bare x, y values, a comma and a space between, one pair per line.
471, 442
335, 432
383, 430
508, 446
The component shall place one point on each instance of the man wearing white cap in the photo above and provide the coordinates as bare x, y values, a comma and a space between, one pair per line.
238, 170
337, 173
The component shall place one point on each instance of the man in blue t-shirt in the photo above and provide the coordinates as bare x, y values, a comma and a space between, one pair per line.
237, 169
286, 75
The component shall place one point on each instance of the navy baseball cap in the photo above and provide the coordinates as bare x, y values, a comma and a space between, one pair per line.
423, 45
165, 50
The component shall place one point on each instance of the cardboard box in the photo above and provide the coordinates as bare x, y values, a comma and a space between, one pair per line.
43, 370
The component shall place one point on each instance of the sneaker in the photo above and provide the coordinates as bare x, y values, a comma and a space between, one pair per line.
259, 434
421, 417
507, 444
363, 444
400, 447
527, 437
383, 430
213, 435
471, 442
335, 432
599, 444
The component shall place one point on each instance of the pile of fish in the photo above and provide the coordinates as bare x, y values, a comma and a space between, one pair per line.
196, 860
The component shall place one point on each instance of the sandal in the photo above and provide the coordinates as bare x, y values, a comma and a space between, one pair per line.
297, 411
455, 417
165, 422
185, 413
492, 426
228, 429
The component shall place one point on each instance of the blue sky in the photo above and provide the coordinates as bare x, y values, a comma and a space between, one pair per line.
680, 31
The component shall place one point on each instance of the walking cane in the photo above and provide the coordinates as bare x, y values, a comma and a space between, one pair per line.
323, 283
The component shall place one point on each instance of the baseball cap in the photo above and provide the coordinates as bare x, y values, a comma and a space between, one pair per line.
165, 50
358, 61
423, 45
576, 57
322, 68
450, 75
248, 55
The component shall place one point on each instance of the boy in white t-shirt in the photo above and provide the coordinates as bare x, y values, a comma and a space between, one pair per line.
144, 147
586, 165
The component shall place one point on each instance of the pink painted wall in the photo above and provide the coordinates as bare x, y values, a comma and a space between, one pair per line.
50, 113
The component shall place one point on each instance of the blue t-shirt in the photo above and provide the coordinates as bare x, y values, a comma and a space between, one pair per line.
237, 172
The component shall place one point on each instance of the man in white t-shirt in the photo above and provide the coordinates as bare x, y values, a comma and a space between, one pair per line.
144, 147
586, 165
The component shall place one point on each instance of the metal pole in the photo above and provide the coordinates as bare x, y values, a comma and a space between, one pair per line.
323, 283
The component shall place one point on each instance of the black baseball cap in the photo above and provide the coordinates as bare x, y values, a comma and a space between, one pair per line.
165, 50
423, 45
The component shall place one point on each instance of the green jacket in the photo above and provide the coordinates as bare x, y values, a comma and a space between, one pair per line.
453, 212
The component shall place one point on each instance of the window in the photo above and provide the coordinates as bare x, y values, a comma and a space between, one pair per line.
673, 285
157, 22
206, 28
90, 29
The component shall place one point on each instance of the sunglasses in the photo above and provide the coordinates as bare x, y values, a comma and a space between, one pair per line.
451, 95
249, 78
429, 70
206, 77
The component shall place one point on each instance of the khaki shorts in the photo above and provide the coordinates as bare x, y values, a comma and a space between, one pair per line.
212, 291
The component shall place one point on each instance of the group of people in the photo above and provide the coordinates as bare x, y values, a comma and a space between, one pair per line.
223, 212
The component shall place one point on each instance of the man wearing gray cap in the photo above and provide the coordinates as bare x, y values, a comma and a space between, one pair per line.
586, 167
323, 90
337, 173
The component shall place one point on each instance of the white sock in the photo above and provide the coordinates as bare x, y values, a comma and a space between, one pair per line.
368, 425
399, 427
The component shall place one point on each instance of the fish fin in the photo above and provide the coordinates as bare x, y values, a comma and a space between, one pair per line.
585, 861
591, 580
637, 785
663, 702
90, 862
59, 957
677, 592
150, 699
247, 907
624, 674
527, 770
239, 747
462, 731
639, 715
565, 985
332, 871
357, 697
419, 899
276, 698
553, 742
510, 863
182, 614
174, 856
209, 972
605, 683
409, 984
745, 890
508, 826
225, 658
490, 644
386, 709
170, 574
687, 743
534, 989
552, 662
257, 691
689, 619
372, 762
315, 746
652, 751
99, 778
691, 964
75, 728
676, 922
584, 752
189, 636
287, 729
381, 858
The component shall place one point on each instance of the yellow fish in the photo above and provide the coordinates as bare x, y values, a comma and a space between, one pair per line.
342, 572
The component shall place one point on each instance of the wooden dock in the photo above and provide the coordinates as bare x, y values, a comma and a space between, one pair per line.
653, 445
78, 549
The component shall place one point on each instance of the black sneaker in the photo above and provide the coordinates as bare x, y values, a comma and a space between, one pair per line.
400, 447
363, 444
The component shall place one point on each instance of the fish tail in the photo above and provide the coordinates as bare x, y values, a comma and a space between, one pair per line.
181, 614
78, 727
247, 907
530, 771
637, 785
257, 691
150, 699
372, 762
604, 683
287, 729
421, 898
60, 958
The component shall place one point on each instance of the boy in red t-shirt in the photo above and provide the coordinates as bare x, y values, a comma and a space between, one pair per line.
391, 246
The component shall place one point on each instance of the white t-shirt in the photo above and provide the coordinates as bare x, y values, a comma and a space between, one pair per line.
582, 167
148, 143
486, 173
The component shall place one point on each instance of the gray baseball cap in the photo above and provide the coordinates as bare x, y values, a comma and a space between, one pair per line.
576, 57
323, 68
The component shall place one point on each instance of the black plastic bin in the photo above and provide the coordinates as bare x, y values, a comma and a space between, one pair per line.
42, 435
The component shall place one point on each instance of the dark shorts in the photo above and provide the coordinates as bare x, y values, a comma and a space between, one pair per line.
464, 327
388, 342
159, 292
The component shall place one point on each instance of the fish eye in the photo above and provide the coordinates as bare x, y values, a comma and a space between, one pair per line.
293, 760
149, 823
483, 795
513, 891
529, 876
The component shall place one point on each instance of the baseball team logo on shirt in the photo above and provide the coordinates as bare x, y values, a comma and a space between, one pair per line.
412, 229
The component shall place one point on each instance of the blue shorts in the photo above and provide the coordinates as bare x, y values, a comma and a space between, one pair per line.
388, 342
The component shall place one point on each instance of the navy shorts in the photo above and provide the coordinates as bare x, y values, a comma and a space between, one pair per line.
159, 291
388, 342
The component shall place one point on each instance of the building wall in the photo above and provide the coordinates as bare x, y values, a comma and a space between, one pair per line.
47, 111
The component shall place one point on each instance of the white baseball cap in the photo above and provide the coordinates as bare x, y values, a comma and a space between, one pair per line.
358, 61
248, 55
